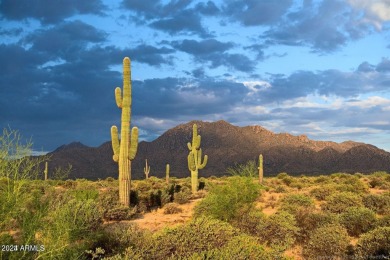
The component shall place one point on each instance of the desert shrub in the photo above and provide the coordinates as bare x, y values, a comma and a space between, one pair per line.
249, 220
248, 169
69, 229
327, 242
374, 244
172, 208
201, 234
120, 213
70, 184
123, 238
320, 193
224, 201
378, 203
293, 203
6, 239
182, 197
240, 247
280, 189
84, 194
358, 220
340, 202
384, 221
352, 184
278, 230
322, 179
282, 175
314, 220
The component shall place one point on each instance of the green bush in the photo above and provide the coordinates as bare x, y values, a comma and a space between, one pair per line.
327, 242
320, 193
378, 203
120, 213
358, 220
314, 220
374, 244
249, 220
240, 247
340, 202
224, 201
293, 203
248, 169
278, 231
201, 234
172, 208
182, 197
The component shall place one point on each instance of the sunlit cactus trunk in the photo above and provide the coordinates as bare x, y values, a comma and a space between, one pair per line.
46, 171
261, 173
124, 149
194, 159
167, 174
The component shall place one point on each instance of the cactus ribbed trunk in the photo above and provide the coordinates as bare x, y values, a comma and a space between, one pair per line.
261, 173
125, 149
167, 173
194, 159
46, 171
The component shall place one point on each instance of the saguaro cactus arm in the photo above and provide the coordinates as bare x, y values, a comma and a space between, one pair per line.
118, 97
115, 143
133, 145
201, 165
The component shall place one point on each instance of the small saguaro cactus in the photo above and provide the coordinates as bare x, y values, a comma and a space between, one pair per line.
194, 158
46, 171
167, 173
261, 173
125, 149
146, 169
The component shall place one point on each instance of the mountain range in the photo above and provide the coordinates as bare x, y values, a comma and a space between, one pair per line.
226, 145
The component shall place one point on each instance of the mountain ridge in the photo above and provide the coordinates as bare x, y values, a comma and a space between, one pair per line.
226, 145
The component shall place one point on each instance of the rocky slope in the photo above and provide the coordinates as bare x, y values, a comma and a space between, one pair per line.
227, 145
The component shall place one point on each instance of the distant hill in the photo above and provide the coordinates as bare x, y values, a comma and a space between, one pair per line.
226, 145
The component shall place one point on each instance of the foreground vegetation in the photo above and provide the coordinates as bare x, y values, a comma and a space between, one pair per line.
335, 216
339, 216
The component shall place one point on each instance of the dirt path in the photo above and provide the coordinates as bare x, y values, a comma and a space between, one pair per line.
157, 220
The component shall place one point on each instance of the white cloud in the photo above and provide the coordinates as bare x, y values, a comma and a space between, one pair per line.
376, 11
370, 102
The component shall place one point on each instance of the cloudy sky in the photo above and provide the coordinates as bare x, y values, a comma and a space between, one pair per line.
320, 68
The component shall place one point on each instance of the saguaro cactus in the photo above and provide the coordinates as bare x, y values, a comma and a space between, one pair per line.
195, 158
261, 173
125, 149
167, 173
46, 171
146, 169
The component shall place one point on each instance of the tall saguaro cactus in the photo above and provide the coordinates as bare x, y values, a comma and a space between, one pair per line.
146, 169
124, 149
194, 158
261, 173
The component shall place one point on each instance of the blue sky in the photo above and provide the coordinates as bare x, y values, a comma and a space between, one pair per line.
320, 68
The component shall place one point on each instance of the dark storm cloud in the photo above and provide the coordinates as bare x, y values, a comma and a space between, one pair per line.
49, 12
65, 40
11, 32
367, 78
215, 52
254, 12
175, 17
208, 8
323, 26
177, 97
